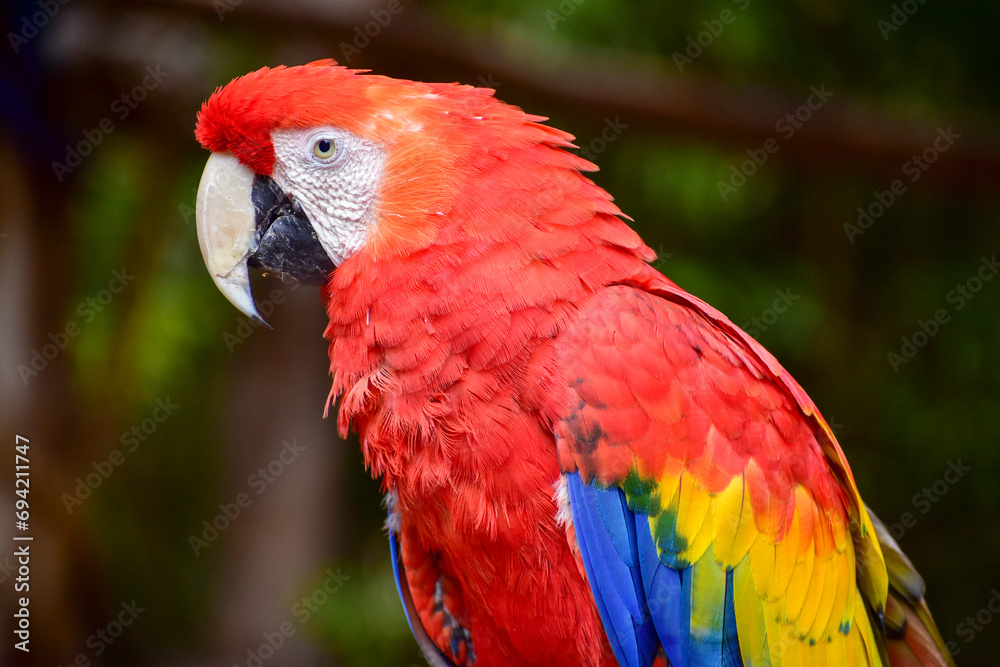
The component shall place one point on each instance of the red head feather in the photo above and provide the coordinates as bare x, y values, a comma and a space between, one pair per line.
240, 117
430, 131
435, 136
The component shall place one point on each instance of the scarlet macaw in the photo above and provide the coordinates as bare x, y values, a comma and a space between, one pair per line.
584, 464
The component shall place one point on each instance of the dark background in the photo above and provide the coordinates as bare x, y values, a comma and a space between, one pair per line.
664, 138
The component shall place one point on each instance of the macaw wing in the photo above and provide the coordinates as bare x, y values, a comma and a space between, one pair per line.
912, 637
433, 616
713, 509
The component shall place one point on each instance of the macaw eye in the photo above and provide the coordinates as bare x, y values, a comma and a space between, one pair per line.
324, 149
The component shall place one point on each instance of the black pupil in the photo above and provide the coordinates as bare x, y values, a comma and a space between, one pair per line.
324, 146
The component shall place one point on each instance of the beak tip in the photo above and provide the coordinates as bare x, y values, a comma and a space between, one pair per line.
236, 288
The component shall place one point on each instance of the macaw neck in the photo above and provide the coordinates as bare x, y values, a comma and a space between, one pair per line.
452, 341
439, 369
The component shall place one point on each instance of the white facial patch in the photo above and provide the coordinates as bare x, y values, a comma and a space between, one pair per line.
334, 175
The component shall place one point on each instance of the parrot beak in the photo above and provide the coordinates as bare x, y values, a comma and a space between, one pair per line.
244, 220
226, 228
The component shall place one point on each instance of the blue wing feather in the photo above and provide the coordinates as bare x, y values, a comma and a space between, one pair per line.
731, 656
432, 653
397, 572
606, 533
645, 604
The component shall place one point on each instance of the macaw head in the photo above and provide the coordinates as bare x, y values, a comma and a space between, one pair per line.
314, 165
301, 160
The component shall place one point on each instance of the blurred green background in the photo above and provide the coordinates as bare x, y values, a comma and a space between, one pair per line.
154, 410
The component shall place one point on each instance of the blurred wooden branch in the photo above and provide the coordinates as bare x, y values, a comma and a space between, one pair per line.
548, 77
649, 92
645, 91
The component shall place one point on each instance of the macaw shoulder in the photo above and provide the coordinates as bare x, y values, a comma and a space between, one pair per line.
653, 382
661, 373
718, 451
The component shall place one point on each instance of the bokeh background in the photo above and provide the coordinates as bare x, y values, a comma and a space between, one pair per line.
153, 409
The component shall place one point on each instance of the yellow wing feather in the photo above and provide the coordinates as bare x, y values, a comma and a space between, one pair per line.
795, 597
